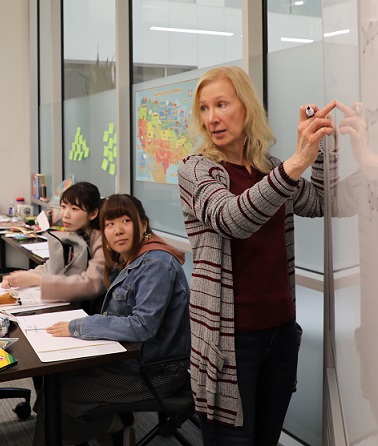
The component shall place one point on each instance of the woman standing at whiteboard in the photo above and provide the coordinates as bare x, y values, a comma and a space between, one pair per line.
239, 203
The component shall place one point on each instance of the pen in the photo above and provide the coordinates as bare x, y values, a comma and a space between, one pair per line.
310, 112
35, 329
24, 313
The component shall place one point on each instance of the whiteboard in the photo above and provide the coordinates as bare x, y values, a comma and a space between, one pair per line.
351, 74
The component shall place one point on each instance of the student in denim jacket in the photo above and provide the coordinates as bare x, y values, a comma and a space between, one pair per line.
147, 303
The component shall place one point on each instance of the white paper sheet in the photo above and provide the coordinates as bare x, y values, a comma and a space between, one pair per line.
40, 249
50, 348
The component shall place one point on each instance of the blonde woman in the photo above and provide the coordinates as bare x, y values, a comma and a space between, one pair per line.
238, 203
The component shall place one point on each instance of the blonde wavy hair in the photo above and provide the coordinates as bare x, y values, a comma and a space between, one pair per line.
259, 135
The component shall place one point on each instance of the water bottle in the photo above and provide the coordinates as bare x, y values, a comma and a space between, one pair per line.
12, 208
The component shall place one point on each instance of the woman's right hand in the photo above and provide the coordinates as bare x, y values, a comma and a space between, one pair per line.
310, 132
21, 279
5, 282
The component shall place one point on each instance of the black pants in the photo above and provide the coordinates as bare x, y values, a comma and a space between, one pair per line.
266, 363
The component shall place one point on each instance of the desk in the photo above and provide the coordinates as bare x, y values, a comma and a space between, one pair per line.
29, 365
33, 259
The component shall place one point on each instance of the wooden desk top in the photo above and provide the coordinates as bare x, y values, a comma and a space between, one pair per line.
29, 364
18, 245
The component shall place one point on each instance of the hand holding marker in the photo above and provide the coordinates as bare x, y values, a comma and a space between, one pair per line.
310, 113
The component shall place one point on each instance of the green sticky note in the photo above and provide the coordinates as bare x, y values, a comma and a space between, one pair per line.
70, 155
112, 169
105, 164
106, 136
111, 127
78, 130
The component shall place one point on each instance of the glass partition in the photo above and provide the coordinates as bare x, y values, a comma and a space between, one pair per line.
295, 77
89, 117
173, 42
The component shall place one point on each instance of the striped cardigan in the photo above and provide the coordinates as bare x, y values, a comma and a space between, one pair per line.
213, 216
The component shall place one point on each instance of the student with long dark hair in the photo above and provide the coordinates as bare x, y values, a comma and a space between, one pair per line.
80, 205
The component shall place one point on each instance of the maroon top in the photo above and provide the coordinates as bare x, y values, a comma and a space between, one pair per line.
261, 285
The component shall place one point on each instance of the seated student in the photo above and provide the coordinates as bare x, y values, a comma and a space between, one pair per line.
79, 211
147, 302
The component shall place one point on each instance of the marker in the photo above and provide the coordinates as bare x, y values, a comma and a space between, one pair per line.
310, 112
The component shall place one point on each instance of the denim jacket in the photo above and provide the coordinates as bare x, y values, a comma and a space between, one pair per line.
148, 303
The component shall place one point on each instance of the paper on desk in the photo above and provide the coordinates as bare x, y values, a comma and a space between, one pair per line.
50, 348
27, 299
40, 249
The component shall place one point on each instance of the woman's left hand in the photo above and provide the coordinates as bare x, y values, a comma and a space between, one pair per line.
59, 329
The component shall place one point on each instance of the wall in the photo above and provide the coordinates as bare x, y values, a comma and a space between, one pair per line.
14, 94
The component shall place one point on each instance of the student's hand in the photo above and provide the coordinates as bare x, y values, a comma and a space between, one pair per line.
310, 132
21, 279
59, 329
5, 282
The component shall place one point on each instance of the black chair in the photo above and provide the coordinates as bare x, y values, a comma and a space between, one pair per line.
23, 409
172, 411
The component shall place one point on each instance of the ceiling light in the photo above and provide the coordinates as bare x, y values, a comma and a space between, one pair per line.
294, 39
191, 31
337, 33
298, 3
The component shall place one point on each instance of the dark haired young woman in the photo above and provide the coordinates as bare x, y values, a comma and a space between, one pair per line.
147, 303
79, 211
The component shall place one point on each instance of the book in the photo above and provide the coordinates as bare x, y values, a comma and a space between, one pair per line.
38, 181
6, 360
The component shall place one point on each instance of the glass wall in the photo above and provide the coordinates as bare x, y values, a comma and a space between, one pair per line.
89, 108
295, 77
173, 42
